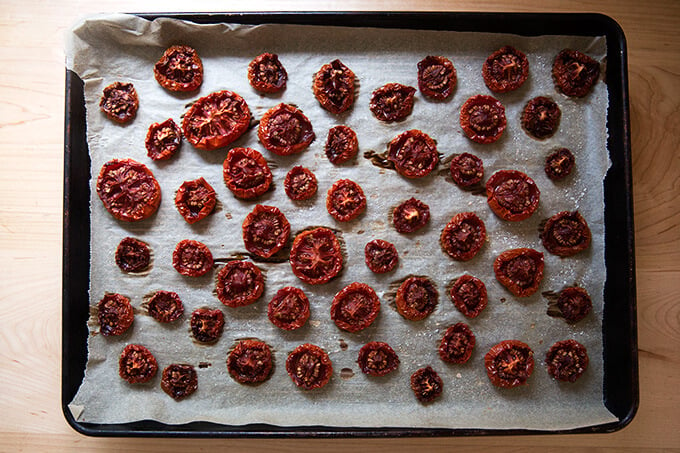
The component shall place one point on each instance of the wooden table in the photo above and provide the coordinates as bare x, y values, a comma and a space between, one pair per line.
31, 180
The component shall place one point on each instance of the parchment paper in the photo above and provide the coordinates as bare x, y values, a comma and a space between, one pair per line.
104, 49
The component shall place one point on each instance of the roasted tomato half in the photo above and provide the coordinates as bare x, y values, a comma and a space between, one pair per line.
216, 120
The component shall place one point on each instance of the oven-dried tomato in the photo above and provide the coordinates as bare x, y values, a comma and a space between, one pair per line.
341, 144
265, 231
300, 183
381, 256
462, 238
309, 366
179, 381
410, 216
128, 190
567, 360
457, 344
566, 233
137, 365
574, 303
195, 200
334, 87
239, 283
483, 119
417, 297
436, 77
285, 130
316, 256
192, 258
345, 200
392, 102
509, 363
289, 308
559, 164
377, 358
216, 120
207, 325
575, 73
246, 173
266, 73
119, 102
467, 170
505, 70
165, 306
519, 270
512, 195
541, 117
133, 255
469, 295
355, 307
413, 153
115, 314
179, 69
426, 384
250, 362
163, 140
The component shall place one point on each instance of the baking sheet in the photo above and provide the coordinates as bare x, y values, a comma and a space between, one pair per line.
469, 399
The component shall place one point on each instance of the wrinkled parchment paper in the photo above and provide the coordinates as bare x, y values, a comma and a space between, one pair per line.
104, 49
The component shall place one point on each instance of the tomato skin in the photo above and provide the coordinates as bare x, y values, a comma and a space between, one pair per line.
469, 295
316, 256
250, 362
246, 173
119, 102
192, 258
519, 270
483, 119
457, 344
509, 363
266, 73
377, 359
333, 87
179, 381
355, 307
567, 360
285, 130
426, 384
417, 298
216, 120
179, 69
289, 308
392, 102
463, 237
575, 73
115, 314
413, 153
566, 234
265, 231
381, 256
345, 200
512, 195
309, 366
436, 77
195, 200
136, 364
300, 183
505, 70
239, 283
128, 190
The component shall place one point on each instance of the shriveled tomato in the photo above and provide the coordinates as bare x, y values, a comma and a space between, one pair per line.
567, 360
469, 295
341, 144
250, 362
355, 307
179, 69
436, 77
163, 140
512, 195
483, 119
119, 102
316, 256
216, 120
467, 170
165, 306
195, 200
377, 359
519, 270
239, 283
566, 233
505, 70
575, 73
413, 153
192, 258
417, 297
128, 190
300, 183
463, 236
207, 325
133, 255
136, 364
246, 173
574, 304
509, 363
289, 308
266, 73
457, 344
559, 164
115, 314
381, 256
541, 117
265, 231
392, 102
345, 200
426, 384
179, 380
309, 366
334, 87
410, 216
285, 130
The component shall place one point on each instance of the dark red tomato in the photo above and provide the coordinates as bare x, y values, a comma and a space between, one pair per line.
567, 360
192, 258
413, 153
505, 70
381, 256
334, 87
207, 325
216, 120
265, 231
469, 295
239, 283
467, 170
137, 365
316, 256
574, 303
266, 73
128, 190
462, 238
165, 306
285, 130
115, 314
300, 183
457, 344
426, 384
519, 270
436, 77
410, 216
509, 363
512, 195
179, 69
355, 307
417, 297
377, 359
345, 200
309, 366
250, 362
559, 164
575, 73
483, 119
195, 200
179, 381
246, 173
133, 255
392, 102
163, 140
119, 102
566, 233
541, 117
289, 308
341, 144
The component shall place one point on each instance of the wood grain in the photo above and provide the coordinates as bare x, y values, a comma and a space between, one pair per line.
31, 180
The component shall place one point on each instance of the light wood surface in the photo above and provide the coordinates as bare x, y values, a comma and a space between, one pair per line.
31, 181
